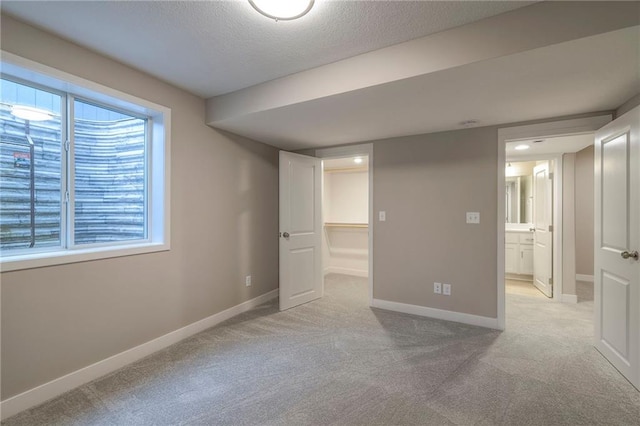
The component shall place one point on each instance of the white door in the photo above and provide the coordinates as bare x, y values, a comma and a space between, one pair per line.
300, 229
617, 242
543, 237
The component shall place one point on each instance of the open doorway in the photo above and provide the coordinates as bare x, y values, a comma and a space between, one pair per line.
345, 204
529, 213
345, 201
347, 215
547, 239
547, 213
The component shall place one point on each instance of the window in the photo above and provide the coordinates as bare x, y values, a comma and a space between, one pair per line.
30, 169
83, 174
109, 159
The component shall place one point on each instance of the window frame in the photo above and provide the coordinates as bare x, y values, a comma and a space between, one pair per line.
157, 165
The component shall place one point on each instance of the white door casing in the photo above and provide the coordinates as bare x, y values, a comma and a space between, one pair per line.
617, 237
300, 229
542, 220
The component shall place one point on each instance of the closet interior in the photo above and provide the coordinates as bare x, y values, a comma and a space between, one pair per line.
346, 216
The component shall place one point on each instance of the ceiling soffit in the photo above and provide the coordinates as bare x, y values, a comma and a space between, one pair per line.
533, 27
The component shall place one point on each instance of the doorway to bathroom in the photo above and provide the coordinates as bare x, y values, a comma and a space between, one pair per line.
553, 162
529, 229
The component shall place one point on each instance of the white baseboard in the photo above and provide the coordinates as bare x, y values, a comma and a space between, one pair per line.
518, 277
569, 298
582, 277
45, 392
437, 313
346, 271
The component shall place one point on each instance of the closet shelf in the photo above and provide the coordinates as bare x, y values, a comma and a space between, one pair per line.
346, 225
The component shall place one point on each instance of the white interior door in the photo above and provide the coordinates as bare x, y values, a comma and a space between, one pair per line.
300, 229
543, 236
617, 242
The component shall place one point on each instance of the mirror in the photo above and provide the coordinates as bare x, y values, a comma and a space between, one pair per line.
519, 192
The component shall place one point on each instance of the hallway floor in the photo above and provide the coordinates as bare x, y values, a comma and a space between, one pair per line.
335, 361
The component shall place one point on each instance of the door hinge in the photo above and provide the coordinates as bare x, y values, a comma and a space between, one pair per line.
550, 176
67, 145
66, 196
550, 281
550, 228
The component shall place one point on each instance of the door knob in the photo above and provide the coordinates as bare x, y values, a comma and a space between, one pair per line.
286, 235
626, 255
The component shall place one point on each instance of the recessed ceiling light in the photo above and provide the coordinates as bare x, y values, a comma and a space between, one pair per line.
522, 147
357, 160
30, 113
282, 10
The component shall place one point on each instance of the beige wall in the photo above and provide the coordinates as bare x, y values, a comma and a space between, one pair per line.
426, 184
584, 211
224, 221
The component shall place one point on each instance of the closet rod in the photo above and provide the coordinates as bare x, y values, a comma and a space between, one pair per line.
346, 225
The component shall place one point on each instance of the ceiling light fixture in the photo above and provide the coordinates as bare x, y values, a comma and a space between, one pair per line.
357, 160
282, 10
521, 147
30, 113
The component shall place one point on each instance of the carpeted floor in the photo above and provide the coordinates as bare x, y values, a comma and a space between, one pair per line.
335, 361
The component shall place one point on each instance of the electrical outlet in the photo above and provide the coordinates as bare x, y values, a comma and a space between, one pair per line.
437, 288
247, 281
473, 217
446, 289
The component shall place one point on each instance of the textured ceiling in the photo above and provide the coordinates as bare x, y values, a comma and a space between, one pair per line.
215, 47
546, 60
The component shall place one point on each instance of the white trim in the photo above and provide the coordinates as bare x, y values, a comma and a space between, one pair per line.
548, 129
569, 298
346, 271
583, 277
159, 173
437, 313
558, 226
46, 76
519, 277
551, 129
348, 151
47, 391
501, 296
61, 257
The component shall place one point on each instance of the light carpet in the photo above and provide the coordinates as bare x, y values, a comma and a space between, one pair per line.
335, 361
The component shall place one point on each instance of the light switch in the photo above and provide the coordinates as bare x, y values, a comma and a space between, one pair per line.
473, 217
382, 216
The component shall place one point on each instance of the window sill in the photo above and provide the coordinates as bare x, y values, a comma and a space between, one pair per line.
39, 260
